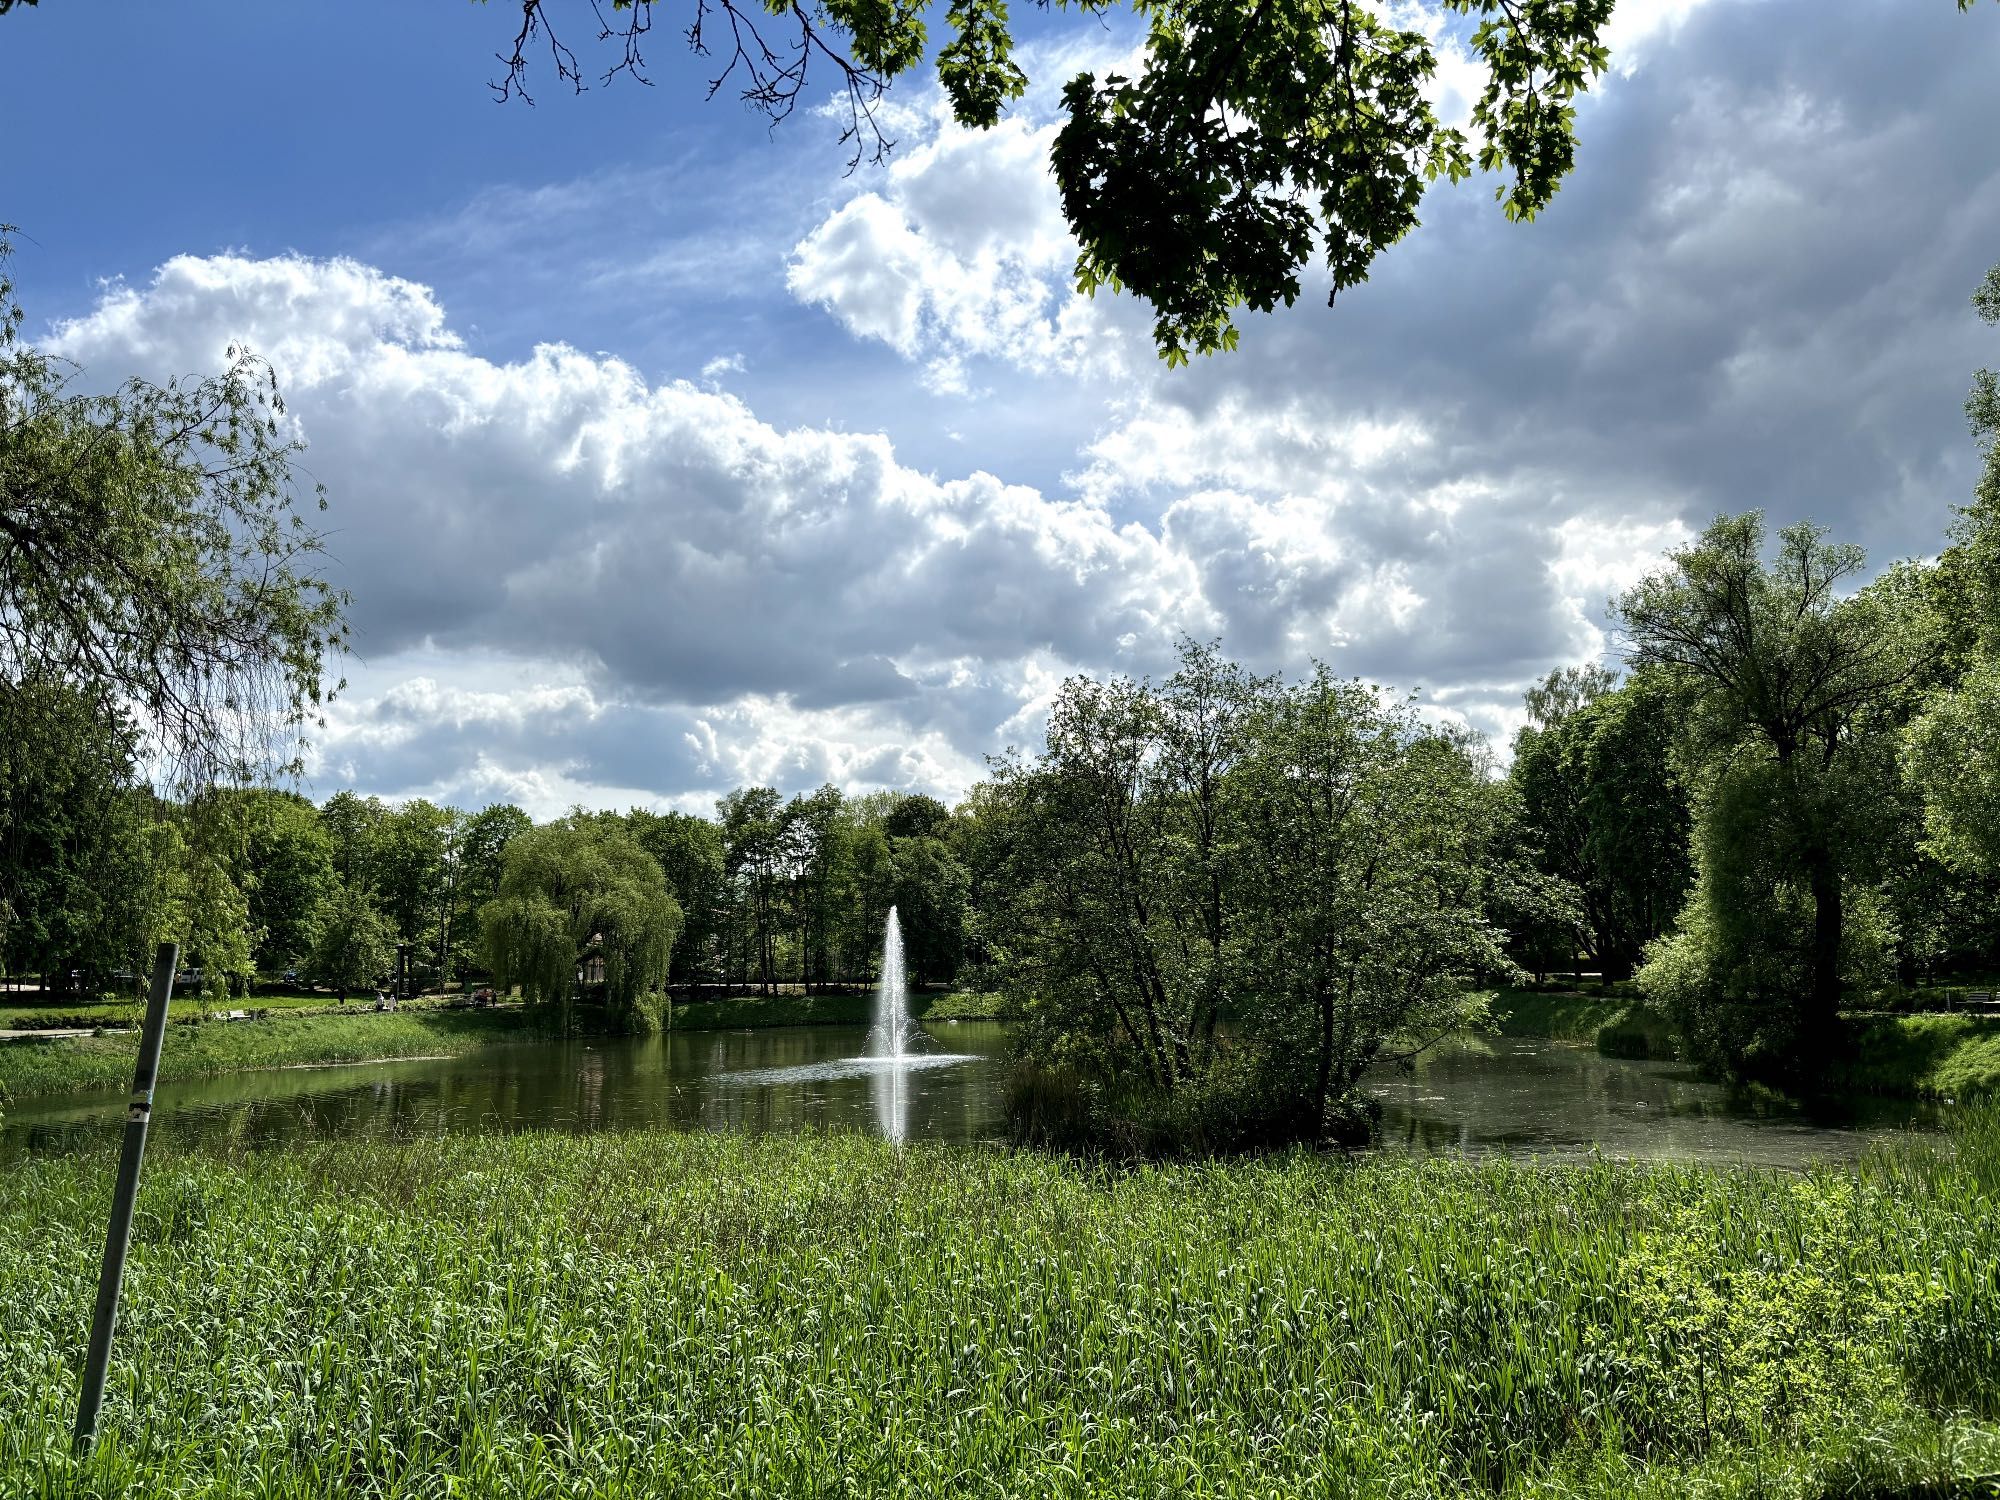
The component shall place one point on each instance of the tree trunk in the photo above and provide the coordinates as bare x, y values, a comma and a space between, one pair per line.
1822, 1016
1323, 1079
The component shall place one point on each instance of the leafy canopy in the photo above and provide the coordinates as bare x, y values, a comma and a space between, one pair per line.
1218, 900
1602, 813
1775, 652
1950, 749
354, 945
1791, 689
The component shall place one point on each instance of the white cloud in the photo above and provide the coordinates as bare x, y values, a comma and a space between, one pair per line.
690, 596
1637, 23
960, 253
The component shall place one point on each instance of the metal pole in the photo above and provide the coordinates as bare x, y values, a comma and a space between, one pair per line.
119, 1232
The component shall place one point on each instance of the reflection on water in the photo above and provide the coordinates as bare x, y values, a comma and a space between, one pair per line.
1525, 1096
888, 1080
1510, 1095
889, 1089
788, 1078
844, 1067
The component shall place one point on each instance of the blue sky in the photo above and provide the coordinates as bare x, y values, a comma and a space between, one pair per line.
664, 456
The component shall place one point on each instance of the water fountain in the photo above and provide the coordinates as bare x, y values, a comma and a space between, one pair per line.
890, 1036
893, 1054
889, 1039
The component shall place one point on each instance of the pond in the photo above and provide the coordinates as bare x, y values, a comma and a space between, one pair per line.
1513, 1095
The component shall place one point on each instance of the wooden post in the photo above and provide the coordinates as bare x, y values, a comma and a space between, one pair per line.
118, 1234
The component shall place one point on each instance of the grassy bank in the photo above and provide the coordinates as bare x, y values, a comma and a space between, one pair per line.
69, 1013
1937, 1057
1615, 1026
825, 1010
227, 1047
707, 1314
1921, 1056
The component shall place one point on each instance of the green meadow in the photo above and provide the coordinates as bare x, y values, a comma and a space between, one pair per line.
712, 1314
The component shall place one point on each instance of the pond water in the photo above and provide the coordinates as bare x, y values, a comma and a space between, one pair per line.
1512, 1095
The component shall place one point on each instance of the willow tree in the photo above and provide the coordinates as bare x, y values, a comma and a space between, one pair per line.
575, 893
1790, 685
155, 553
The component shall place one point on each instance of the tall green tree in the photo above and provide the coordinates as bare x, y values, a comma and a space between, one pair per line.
356, 943
1949, 751
482, 851
68, 842
753, 842
931, 892
196, 890
689, 851
914, 815
412, 873
288, 876
573, 894
1950, 757
1603, 807
351, 824
1362, 910
1785, 682
870, 892
822, 831
1219, 899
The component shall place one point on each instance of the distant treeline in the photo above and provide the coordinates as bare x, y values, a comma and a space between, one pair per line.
771, 891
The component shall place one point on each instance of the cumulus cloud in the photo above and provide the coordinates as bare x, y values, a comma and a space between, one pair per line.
962, 253
959, 252
472, 728
702, 596
1751, 293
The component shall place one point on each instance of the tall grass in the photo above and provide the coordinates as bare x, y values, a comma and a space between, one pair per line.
656, 1314
228, 1046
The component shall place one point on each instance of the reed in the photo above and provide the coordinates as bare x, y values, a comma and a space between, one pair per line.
708, 1314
